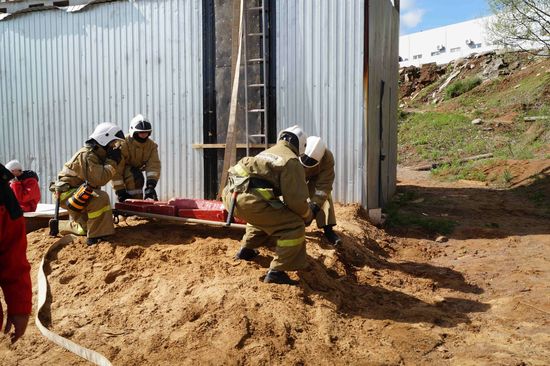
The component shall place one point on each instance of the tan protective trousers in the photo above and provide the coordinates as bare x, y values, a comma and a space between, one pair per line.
134, 182
268, 226
95, 220
326, 215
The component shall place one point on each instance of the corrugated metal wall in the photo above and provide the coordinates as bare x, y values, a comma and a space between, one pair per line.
61, 74
319, 81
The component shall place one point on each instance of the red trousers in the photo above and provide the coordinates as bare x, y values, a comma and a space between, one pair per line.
15, 279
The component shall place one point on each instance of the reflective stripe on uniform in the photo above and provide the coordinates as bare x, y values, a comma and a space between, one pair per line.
118, 182
111, 169
152, 174
65, 195
266, 193
101, 211
321, 193
290, 242
134, 191
240, 170
79, 229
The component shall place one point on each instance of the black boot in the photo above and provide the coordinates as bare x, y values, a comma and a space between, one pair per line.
279, 277
332, 237
246, 253
92, 241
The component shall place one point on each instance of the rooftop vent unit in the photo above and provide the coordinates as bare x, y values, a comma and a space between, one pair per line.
440, 47
469, 41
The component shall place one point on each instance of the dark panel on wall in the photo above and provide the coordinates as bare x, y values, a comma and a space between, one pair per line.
272, 71
225, 23
209, 99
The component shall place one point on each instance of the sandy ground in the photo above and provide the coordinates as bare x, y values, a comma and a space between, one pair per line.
168, 294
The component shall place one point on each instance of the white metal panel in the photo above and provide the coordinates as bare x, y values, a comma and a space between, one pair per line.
61, 74
320, 81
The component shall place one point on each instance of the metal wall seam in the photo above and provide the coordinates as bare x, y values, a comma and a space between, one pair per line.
319, 81
61, 74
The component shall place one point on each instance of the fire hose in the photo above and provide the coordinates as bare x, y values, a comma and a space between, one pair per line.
69, 345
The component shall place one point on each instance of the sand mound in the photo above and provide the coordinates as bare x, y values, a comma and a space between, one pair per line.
161, 293
519, 172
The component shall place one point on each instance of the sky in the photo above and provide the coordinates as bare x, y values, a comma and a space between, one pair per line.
420, 15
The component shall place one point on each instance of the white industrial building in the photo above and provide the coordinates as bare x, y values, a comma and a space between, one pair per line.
444, 44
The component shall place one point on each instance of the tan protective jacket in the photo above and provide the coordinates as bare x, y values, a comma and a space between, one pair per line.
279, 165
143, 156
322, 178
88, 164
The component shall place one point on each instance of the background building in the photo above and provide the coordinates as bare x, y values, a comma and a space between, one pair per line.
444, 44
68, 65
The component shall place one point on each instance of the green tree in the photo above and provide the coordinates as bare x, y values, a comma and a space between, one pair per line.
520, 24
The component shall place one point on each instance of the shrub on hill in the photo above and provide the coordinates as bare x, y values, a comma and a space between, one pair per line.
461, 86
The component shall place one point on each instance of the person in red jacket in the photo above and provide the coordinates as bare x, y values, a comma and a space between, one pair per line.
25, 186
15, 279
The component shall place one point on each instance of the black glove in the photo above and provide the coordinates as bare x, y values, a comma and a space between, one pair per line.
151, 193
122, 195
151, 183
5, 175
314, 208
114, 154
7, 197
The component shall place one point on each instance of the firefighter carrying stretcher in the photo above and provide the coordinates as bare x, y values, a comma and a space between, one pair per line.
269, 192
79, 182
318, 163
140, 154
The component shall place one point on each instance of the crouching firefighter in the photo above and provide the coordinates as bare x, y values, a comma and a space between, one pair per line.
140, 154
79, 182
318, 163
271, 195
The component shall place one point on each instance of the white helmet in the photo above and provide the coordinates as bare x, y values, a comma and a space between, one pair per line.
139, 124
301, 137
315, 150
106, 132
14, 165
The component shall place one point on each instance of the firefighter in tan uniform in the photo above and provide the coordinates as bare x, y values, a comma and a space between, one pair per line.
80, 180
272, 198
318, 163
140, 154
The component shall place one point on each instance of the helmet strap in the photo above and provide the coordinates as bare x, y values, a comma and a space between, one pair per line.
308, 162
291, 139
139, 139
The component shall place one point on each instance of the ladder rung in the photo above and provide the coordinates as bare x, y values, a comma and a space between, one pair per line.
260, 110
255, 8
255, 34
256, 85
255, 60
257, 135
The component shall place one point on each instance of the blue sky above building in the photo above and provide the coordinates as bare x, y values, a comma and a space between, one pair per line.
420, 15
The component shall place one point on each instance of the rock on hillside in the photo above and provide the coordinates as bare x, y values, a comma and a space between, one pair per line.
428, 81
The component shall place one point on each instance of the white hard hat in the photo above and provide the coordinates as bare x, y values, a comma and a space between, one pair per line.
106, 132
14, 165
315, 150
300, 135
140, 124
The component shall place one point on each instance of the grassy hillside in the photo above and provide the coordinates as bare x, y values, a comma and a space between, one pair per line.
437, 124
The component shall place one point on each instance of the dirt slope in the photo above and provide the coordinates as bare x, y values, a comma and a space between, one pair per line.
163, 294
